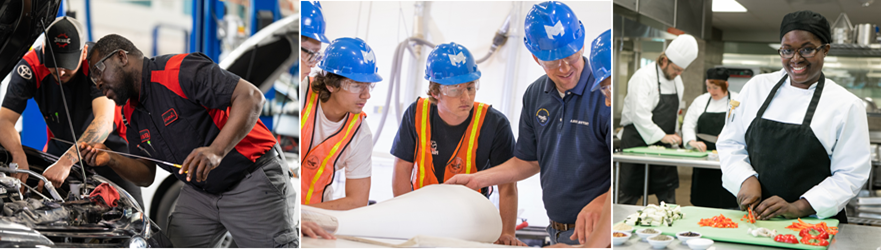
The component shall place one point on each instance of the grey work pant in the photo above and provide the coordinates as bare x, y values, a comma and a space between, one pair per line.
258, 212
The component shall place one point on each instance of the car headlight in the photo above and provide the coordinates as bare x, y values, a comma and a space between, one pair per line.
137, 242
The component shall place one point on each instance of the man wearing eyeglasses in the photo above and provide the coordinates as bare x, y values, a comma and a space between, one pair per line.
448, 134
185, 109
312, 28
798, 143
564, 128
95, 118
333, 130
650, 113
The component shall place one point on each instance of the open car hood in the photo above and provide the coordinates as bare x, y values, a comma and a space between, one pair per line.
20, 24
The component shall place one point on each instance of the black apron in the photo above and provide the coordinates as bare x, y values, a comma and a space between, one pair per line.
789, 158
661, 178
706, 184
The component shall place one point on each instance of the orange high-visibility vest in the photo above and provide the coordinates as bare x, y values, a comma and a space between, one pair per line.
318, 163
463, 161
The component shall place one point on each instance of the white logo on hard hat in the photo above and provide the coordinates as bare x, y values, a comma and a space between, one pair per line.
25, 72
368, 56
458, 58
556, 30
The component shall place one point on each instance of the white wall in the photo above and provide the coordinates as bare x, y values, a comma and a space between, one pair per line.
472, 24
136, 22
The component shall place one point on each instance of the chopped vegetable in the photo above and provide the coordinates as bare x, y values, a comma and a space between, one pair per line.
800, 225
617, 234
653, 215
786, 238
763, 232
718, 222
814, 232
752, 216
814, 241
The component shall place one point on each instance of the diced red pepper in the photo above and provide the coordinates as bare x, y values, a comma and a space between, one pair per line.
814, 241
814, 232
786, 238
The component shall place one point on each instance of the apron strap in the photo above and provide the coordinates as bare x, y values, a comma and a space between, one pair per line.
809, 115
814, 100
658, 79
711, 99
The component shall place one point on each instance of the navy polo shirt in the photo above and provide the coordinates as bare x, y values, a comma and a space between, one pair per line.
570, 139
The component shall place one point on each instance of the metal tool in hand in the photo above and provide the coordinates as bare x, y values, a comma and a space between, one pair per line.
129, 155
709, 138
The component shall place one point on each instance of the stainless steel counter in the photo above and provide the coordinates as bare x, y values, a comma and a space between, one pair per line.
848, 237
648, 160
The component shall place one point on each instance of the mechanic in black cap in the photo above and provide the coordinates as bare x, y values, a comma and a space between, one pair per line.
703, 122
797, 143
95, 118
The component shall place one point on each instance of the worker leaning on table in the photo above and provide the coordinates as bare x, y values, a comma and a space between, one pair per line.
798, 143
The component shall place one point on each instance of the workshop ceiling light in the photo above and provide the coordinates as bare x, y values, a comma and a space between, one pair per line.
727, 6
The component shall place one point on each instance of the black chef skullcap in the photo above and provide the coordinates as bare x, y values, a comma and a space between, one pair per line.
808, 21
717, 74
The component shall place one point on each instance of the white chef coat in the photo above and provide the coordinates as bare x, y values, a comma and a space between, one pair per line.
642, 97
689, 125
839, 123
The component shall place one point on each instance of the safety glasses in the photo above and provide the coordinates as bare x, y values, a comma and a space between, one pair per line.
458, 89
99, 66
357, 87
805, 52
310, 57
556, 64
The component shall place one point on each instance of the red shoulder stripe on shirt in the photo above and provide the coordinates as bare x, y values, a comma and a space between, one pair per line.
118, 121
169, 76
255, 144
38, 69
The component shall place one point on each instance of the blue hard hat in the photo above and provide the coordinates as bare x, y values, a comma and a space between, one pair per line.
352, 58
601, 58
552, 31
312, 21
451, 64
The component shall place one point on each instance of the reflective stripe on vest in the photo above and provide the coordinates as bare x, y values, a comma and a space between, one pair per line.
315, 176
466, 150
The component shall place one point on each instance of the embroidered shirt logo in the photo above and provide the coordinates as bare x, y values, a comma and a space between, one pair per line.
458, 58
145, 135
556, 30
169, 116
542, 116
433, 147
25, 72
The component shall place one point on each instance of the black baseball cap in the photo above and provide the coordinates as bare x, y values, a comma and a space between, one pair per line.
66, 42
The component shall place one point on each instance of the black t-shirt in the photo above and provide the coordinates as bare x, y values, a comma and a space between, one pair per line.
495, 144
31, 79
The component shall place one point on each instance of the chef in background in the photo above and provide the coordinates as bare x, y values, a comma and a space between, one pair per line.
797, 144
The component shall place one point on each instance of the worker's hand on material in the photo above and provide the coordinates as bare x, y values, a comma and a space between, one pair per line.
311, 229
94, 155
200, 162
672, 139
471, 181
23, 165
510, 240
57, 172
699, 145
750, 193
588, 218
776, 206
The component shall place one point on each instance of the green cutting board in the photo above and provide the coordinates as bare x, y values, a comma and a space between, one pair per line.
737, 235
668, 151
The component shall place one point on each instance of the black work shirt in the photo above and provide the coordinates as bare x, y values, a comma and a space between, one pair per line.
495, 144
183, 104
31, 79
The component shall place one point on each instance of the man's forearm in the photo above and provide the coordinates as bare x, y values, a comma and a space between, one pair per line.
508, 207
512, 170
11, 141
139, 172
401, 177
97, 132
243, 113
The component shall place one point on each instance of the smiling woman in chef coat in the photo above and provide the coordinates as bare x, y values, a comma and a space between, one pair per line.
706, 117
798, 143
